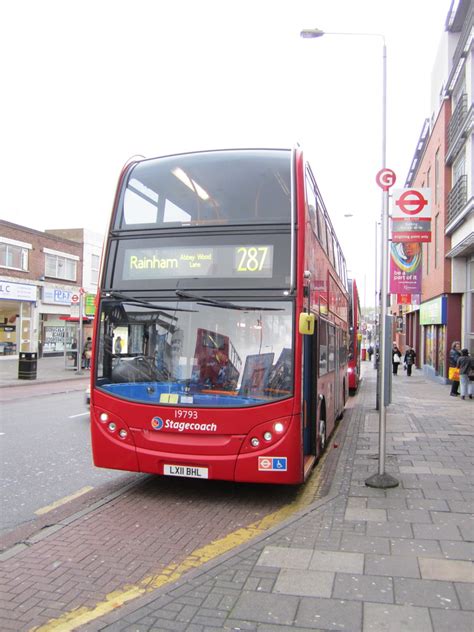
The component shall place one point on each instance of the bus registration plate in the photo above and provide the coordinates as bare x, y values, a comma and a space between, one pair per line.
188, 471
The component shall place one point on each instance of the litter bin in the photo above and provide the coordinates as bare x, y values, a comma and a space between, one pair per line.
27, 366
364, 354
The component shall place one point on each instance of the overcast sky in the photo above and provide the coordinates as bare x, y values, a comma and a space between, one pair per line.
86, 85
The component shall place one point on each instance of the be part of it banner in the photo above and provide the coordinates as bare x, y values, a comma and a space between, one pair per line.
405, 268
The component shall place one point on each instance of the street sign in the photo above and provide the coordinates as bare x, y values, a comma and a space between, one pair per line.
403, 299
411, 215
385, 178
74, 299
414, 231
411, 204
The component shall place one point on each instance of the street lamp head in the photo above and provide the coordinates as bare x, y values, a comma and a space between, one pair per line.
311, 33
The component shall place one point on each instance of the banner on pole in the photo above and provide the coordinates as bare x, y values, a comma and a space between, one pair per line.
405, 268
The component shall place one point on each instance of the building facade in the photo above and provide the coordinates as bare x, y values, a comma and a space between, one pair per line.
443, 162
42, 274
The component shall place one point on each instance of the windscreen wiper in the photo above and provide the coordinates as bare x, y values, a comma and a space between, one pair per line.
144, 303
202, 300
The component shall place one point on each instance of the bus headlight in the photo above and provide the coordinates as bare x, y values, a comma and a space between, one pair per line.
267, 436
278, 427
104, 417
123, 434
254, 442
112, 426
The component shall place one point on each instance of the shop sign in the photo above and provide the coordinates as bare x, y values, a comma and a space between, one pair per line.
17, 291
56, 296
434, 312
89, 304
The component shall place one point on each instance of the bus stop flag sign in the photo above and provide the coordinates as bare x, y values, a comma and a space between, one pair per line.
411, 215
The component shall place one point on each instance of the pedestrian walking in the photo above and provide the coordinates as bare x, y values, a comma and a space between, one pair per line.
74, 353
370, 352
465, 364
409, 359
396, 358
87, 353
453, 373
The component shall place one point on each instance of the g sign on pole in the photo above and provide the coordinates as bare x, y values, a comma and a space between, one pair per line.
411, 215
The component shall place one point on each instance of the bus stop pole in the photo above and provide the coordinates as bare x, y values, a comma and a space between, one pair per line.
382, 479
80, 336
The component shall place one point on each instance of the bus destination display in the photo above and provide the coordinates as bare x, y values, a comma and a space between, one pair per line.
225, 261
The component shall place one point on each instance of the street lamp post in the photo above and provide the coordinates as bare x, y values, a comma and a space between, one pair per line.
381, 479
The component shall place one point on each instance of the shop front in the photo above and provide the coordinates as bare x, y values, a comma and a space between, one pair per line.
440, 326
17, 318
55, 307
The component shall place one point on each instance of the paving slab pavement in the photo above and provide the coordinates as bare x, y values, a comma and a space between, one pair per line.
51, 377
360, 559
48, 370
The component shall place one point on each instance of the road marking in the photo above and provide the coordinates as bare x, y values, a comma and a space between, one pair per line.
72, 620
79, 415
63, 501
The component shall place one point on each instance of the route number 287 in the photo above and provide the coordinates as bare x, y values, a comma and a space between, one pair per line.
251, 259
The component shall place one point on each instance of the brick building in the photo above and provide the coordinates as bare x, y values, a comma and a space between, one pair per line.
444, 163
40, 273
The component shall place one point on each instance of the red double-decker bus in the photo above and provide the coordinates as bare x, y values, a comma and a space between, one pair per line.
221, 336
355, 336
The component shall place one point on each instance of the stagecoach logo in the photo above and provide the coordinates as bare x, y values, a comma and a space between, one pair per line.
157, 423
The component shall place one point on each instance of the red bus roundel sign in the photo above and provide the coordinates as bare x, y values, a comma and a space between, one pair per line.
411, 203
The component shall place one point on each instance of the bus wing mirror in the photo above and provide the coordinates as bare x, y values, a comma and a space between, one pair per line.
307, 324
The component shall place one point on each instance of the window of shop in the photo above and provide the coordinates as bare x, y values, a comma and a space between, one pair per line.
53, 340
14, 254
60, 266
428, 346
470, 304
441, 350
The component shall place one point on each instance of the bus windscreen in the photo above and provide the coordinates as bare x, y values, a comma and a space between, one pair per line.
193, 353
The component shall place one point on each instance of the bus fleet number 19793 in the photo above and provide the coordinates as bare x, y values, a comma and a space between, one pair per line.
185, 414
